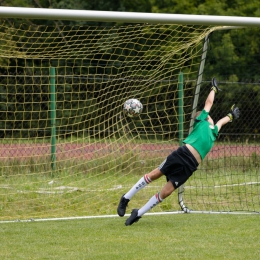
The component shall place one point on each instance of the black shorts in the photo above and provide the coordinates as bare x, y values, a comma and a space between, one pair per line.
179, 166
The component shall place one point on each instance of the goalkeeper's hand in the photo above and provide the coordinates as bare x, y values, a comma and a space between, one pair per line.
234, 113
215, 85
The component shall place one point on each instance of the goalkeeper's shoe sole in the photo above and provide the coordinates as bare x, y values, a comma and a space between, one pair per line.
133, 218
214, 82
121, 209
215, 85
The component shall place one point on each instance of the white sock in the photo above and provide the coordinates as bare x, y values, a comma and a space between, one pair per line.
138, 186
156, 199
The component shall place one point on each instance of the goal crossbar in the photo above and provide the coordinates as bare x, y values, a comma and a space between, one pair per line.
133, 17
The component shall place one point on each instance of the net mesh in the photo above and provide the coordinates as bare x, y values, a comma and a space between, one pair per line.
97, 153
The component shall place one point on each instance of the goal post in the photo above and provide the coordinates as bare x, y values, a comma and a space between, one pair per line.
126, 17
67, 149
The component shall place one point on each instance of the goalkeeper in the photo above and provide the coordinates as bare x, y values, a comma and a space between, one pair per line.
181, 163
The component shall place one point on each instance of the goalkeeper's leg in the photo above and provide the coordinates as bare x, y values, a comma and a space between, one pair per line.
155, 200
144, 181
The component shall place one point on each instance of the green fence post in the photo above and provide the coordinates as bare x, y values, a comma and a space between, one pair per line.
53, 117
180, 105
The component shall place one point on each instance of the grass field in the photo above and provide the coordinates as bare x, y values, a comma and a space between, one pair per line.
26, 196
173, 236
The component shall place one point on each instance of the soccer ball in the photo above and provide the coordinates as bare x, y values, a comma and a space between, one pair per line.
132, 107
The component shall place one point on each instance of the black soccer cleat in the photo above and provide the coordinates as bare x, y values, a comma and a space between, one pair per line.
214, 84
122, 206
133, 218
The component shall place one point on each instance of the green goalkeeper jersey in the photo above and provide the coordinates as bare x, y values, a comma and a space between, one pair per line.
203, 135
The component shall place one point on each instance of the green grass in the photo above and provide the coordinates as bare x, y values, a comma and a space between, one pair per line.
176, 236
25, 197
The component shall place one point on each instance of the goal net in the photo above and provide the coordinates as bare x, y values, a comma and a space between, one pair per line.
67, 149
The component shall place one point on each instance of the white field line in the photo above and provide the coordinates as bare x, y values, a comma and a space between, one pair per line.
127, 215
224, 185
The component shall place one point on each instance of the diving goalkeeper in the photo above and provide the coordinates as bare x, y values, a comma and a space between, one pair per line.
181, 163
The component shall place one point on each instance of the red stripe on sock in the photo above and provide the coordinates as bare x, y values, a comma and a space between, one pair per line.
158, 197
147, 179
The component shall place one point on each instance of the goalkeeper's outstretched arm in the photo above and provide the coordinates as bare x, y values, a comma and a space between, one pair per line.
233, 114
210, 99
222, 122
